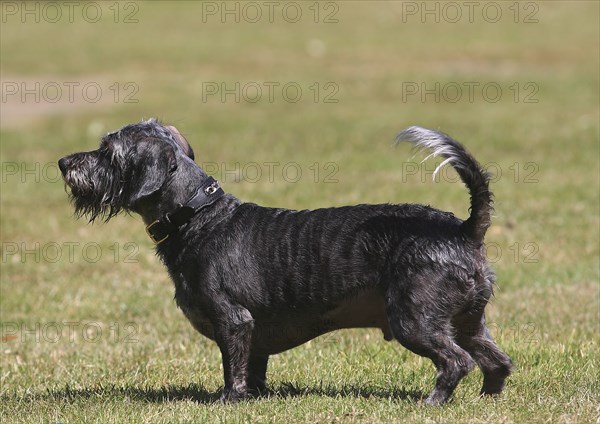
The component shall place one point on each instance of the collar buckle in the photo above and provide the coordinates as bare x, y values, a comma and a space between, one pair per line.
156, 238
212, 189
206, 194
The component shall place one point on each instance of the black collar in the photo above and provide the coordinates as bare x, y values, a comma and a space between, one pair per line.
170, 222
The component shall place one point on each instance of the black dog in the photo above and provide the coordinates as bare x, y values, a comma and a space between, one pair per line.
259, 280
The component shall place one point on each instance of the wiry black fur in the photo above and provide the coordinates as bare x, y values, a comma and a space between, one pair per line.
261, 280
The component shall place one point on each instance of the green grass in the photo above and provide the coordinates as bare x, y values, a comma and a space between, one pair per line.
126, 353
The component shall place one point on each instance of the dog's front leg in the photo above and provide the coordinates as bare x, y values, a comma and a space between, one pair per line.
234, 337
257, 374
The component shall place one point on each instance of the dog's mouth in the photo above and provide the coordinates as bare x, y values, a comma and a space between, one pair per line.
64, 170
75, 190
74, 184
86, 200
68, 185
77, 183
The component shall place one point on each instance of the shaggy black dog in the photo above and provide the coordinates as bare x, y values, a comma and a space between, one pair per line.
259, 280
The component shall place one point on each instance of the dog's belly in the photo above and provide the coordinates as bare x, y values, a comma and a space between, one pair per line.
366, 310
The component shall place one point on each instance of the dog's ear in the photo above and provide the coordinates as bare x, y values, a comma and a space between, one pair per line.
183, 143
150, 173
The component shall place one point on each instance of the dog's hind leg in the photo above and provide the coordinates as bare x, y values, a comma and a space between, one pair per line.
474, 336
421, 327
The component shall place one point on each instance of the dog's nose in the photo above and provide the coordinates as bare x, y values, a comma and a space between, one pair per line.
62, 164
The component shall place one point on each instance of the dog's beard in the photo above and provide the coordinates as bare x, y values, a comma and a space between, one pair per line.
95, 198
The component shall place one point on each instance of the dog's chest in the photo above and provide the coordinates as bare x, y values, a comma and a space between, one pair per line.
199, 321
191, 307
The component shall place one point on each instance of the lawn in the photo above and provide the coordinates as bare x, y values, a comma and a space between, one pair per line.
296, 104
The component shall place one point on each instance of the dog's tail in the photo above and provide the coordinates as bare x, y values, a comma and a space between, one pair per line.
470, 171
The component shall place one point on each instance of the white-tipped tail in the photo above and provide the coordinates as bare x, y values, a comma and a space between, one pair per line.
471, 173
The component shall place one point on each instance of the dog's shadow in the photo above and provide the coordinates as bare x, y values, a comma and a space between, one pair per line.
197, 393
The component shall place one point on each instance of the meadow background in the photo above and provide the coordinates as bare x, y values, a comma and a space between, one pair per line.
90, 331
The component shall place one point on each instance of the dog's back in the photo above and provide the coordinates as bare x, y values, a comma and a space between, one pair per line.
319, 256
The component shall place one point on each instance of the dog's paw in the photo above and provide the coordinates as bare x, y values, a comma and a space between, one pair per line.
258, 390
232, 396
435, 399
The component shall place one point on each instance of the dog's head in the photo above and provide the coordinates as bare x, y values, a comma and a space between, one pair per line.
128, 169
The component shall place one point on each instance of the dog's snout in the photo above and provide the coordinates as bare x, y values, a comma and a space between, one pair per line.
62, 164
